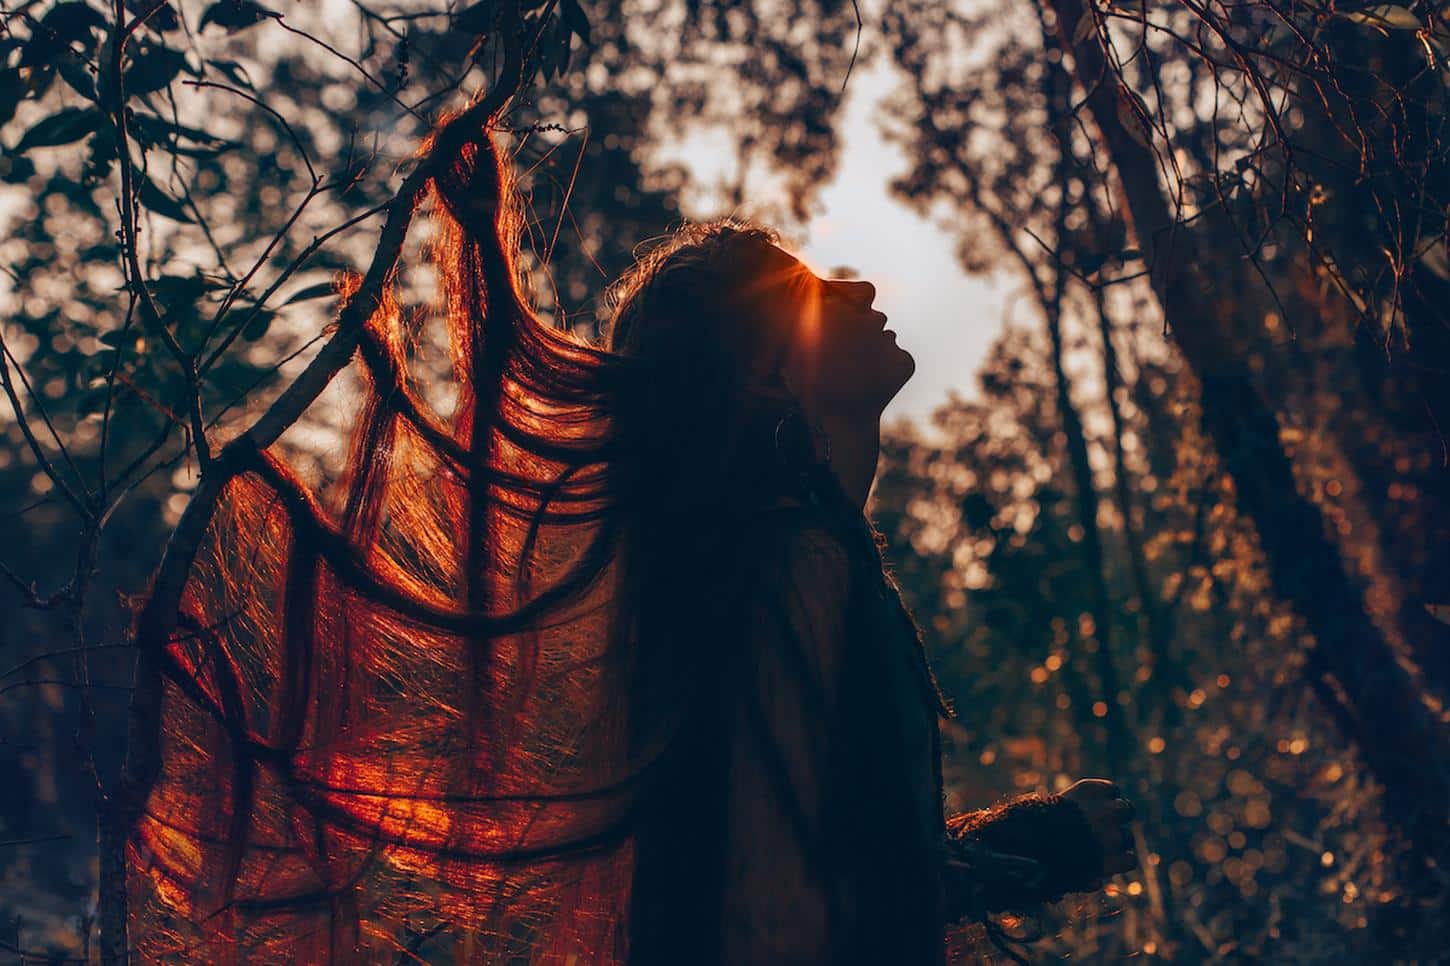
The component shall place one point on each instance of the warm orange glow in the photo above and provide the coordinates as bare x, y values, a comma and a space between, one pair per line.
353, 740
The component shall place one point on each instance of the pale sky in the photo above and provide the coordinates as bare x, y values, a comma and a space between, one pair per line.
943, 317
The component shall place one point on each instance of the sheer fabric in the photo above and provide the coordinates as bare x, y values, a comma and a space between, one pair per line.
403, 720
391, 730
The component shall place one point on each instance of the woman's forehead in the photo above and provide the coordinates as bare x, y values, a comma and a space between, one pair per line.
779, 266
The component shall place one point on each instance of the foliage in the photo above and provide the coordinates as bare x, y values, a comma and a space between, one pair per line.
1201, 166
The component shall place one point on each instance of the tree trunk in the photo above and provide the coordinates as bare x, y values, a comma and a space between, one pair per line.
1157, 624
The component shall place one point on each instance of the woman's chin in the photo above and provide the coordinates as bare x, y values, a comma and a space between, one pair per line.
906, 367
897, 368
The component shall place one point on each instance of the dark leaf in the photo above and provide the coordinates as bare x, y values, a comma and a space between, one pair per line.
163, 19
153, 68
10, 93
16, 168
234, 15
92, 401
73, 71
234, 72
160, 202
176, 290
104, 252
151, 131
73, 20
104, 151
477, 19
258, 325
63, 127
63, 25
576, 19
320, 290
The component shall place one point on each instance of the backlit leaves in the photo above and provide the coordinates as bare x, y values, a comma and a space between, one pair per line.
10, 92
160, 202
234, 15
153, 67
66, 126
575, 19
63, 25
320, 290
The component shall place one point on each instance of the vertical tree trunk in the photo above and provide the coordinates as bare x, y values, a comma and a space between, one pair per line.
1093, 558
1058, 90
1156, 622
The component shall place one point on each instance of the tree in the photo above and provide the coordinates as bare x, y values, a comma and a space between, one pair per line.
1191, 225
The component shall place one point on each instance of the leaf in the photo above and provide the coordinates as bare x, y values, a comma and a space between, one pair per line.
160, 202
320, 290
153, 68
153, 130
73, 71
556, 53
477, 19
235, 73
1086, 27
15, 168
104, 150
565, 53
576, 19
1386, 15
234, 15
67, 125
163, 18
258, 324
63, 25
1133, 116
92, 401
173, 290
10, 93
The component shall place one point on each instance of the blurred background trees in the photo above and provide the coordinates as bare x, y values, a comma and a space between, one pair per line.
1188, 530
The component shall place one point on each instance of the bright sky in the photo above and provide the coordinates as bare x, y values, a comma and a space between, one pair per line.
943, 317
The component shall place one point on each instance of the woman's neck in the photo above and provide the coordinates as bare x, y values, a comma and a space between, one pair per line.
855, 449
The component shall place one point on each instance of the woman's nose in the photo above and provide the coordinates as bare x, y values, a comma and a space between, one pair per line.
859, 291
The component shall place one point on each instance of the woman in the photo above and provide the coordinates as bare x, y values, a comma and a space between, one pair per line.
813, 760
601, 667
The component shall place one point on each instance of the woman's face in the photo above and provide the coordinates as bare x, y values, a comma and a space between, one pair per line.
841, 356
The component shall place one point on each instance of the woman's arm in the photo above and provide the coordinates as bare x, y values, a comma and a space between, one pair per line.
1037, 848
781, 901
